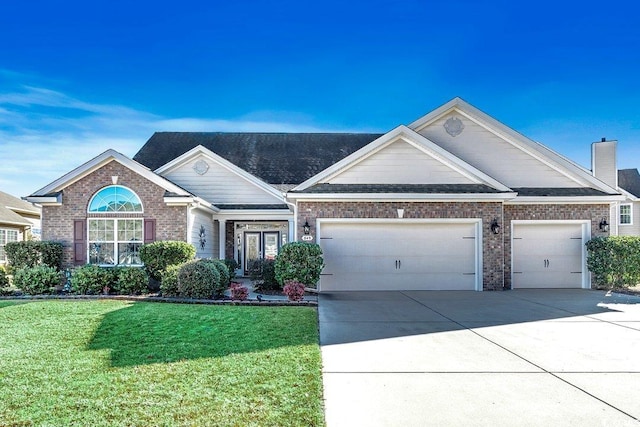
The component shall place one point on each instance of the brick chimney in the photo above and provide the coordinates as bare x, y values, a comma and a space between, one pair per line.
604, 165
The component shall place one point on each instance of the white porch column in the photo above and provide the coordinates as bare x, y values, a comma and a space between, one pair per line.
222, 234
292, 230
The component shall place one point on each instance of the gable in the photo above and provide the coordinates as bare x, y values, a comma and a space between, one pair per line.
210, 178
400, 162
50, 193
494, 154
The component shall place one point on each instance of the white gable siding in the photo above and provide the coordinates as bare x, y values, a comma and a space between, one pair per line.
218, 185
494, 156
400, 163
198, 219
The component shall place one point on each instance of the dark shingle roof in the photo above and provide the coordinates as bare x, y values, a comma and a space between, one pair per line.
401, 188
558, 192
276, 158
629, 180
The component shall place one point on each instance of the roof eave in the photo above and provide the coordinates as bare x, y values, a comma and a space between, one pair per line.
46, 200
403, 196
566, 200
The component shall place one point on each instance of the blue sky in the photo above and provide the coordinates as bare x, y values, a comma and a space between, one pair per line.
77, 78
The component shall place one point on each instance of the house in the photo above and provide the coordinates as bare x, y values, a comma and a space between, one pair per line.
19, 220
455, 200
625, 214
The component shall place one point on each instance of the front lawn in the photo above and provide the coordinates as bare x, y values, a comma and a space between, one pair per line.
117, 363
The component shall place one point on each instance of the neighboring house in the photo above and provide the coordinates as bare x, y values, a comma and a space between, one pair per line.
625, 214
628, 213
19, 220
455, 200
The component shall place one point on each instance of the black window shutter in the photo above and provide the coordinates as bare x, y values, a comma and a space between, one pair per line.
149, 230
79, 242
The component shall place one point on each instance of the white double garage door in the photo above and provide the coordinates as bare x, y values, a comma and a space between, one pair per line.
410, 254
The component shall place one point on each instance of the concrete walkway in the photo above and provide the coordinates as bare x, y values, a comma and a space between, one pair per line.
523, 358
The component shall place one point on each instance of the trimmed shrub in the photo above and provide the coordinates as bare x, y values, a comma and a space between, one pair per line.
223, 276
263, 275
38, 280
299, 262
32, 253
614, 261
157, 256
238, 291
294, 291
92, 280
232, 266
169, 283
198, 279
131, 281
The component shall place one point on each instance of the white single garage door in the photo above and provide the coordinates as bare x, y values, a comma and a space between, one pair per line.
399, 256
548, 255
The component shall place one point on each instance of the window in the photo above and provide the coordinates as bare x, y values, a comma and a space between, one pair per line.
625, 214
6, 236
114, 240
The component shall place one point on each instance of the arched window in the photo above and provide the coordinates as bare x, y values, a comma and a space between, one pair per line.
114, 240
115, 198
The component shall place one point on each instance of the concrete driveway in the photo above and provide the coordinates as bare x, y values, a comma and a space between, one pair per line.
525, 357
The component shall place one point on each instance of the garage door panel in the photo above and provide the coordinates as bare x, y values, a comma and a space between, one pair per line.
409, 256
547, 255
353, 281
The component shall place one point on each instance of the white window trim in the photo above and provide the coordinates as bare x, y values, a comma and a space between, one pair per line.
115, 241
630, 214
3, 259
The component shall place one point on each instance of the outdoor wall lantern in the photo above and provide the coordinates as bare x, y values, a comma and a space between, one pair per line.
604, 225
495, 227
306, 227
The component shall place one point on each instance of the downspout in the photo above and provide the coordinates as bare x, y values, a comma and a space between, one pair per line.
295, 217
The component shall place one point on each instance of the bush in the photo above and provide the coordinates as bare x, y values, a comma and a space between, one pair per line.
38, 280
4, 280
131, 281
223, 282
232, 266
299, 262
614, 260
157, 256
92, 280
239, 291
294, 291
32, 253
263, 275
169, 282
198, 279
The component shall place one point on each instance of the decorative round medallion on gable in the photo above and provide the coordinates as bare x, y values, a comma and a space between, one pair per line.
201, 167
454, 126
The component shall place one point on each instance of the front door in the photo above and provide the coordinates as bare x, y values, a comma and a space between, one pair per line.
259, 245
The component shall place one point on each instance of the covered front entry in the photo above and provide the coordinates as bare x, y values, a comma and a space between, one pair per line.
549, 254
400, 254
258, 240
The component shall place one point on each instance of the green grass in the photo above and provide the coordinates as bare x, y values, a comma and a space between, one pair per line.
98, 363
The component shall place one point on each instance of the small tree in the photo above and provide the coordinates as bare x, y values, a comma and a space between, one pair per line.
299, 262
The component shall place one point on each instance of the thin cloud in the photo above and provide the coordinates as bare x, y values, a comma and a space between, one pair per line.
45, 133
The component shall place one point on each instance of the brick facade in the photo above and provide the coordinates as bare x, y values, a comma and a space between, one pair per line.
57, 221
493, 247
594, 213
496, 250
